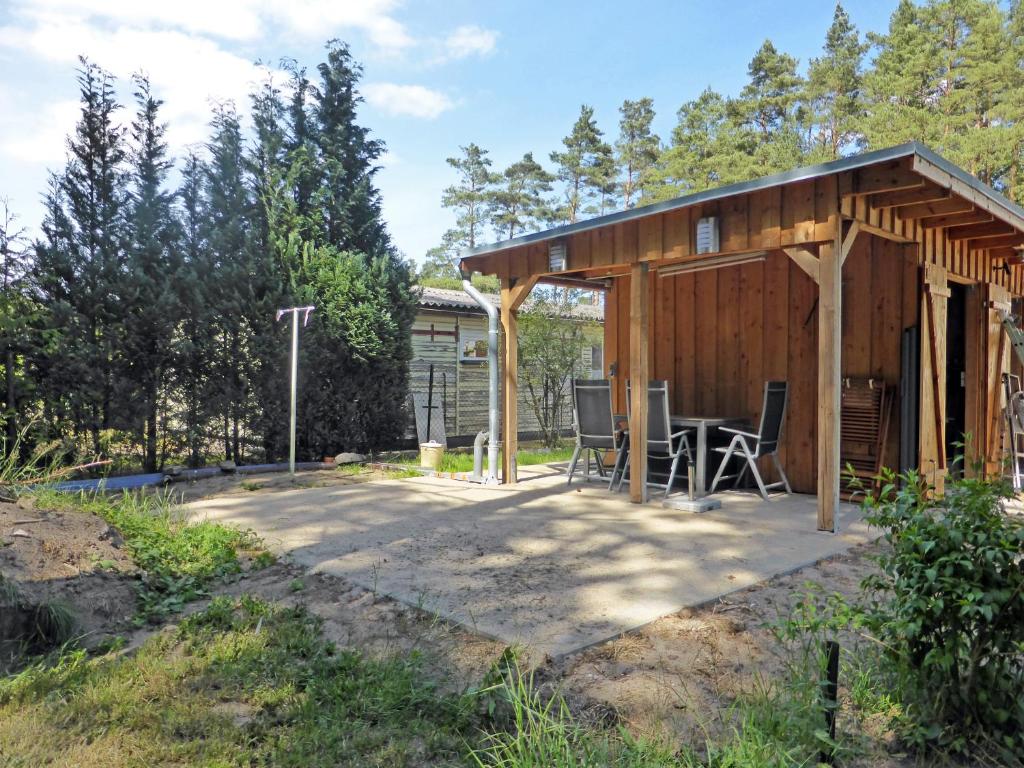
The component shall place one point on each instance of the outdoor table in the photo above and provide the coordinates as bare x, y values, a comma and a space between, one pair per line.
702, 425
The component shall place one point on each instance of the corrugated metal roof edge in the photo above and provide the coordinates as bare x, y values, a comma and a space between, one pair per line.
797, 174
580, 312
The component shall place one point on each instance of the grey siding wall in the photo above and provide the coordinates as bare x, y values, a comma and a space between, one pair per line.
462, 386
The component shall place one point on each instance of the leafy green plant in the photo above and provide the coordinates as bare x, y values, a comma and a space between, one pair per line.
948, 610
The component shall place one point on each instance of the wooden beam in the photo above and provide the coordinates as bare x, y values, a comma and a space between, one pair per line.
956, 219
1007, 255
851, 237
513, 294
976, 231
830, 326
936, 208
806, 259
999, 241
639, 375
926, 194
886, 234
884, 177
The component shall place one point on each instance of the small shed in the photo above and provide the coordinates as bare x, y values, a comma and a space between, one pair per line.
892, 264
450, 334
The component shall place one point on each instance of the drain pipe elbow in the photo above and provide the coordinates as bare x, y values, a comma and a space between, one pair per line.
492, 378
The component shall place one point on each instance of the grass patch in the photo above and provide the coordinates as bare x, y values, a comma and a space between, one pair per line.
178, 558
241, 683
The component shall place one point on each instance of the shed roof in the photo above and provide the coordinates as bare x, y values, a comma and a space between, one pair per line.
460, 301
982, 194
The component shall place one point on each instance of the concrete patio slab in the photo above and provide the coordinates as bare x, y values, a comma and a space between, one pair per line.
539, 563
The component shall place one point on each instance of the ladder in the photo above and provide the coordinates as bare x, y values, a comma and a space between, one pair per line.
1015, 334
1014, 399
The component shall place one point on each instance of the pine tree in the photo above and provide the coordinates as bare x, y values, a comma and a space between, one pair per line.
79, 266
518, 202
228, 243
637, 148
471, 195
196, 347
151, 308
16, 312
833, 89
899, 84
586, 167
708, 148
348, 157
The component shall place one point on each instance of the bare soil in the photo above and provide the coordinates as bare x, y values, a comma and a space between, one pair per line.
70, 558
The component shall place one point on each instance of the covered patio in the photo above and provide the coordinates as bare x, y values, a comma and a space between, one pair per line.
892, 266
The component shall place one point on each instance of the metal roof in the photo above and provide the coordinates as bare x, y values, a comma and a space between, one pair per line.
460, 301
797, 174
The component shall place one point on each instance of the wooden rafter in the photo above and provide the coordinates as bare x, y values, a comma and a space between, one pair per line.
998, 241
936, 208
884, 177
978, 231
929, 193
974, 216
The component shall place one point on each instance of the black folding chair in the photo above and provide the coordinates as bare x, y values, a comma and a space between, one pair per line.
662, 442
595, 424
750, 446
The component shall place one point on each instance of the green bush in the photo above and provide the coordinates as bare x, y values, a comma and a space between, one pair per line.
948, 609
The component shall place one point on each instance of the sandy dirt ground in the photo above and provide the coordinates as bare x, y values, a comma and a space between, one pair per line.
229, 484
553, 567
68, 557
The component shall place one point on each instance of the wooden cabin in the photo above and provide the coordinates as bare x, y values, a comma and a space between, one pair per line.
450, 334
809, 276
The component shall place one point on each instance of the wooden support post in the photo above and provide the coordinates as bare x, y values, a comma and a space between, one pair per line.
830, 316
513, 294
639, 375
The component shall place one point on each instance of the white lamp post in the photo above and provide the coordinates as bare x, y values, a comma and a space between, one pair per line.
294, 311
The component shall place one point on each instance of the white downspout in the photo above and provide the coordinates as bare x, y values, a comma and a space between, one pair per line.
493, 427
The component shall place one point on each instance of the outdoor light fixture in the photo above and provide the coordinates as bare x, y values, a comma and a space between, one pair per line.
718, 262
558, 260
707, 235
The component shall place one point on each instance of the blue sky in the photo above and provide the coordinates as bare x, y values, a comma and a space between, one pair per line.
509, 76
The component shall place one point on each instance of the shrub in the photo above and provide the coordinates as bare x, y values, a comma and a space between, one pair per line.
948, 609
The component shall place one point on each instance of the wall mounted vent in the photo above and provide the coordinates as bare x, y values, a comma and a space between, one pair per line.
707, 235
557, 257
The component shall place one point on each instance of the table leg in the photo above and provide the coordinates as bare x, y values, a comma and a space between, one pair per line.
700, 474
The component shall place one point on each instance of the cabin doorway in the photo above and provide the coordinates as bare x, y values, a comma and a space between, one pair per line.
956, 377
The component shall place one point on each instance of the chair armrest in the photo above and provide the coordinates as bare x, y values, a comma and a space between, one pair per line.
733, 431
681, 432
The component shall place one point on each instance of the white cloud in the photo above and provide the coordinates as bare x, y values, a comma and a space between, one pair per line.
39, 138
411, 100
470, 40
228, 19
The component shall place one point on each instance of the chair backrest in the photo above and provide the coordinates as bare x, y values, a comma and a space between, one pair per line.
592, 407
773, 413
659, 422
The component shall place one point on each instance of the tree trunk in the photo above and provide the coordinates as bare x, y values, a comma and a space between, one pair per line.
12, 404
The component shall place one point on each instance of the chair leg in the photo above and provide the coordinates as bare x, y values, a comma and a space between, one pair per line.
752, 463
782, 474
618, 467
724, 464
572, 462
672, 473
